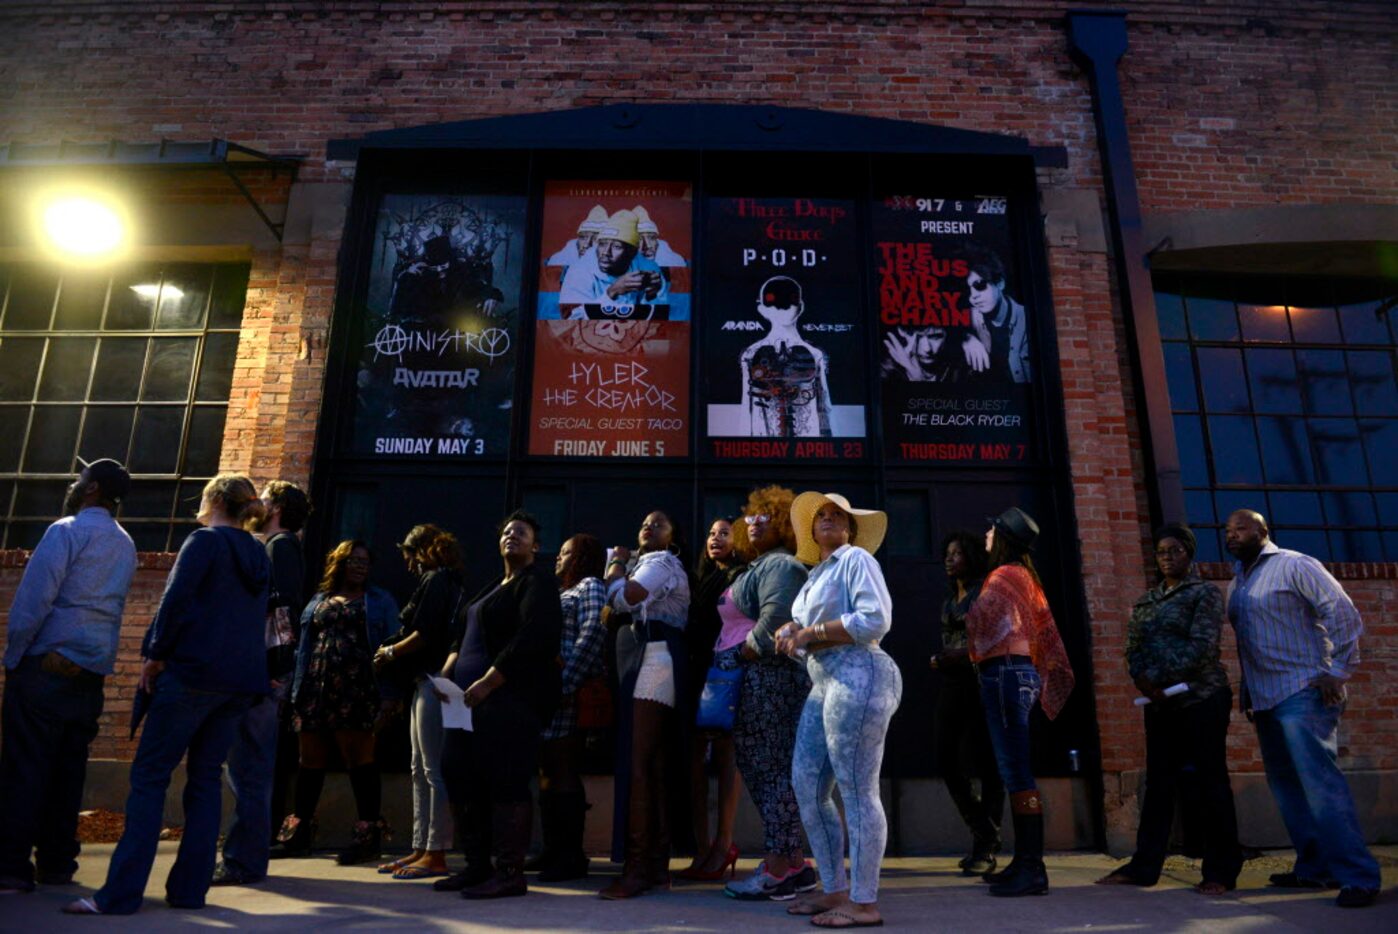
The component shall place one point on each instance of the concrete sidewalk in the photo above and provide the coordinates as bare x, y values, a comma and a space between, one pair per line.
922, 894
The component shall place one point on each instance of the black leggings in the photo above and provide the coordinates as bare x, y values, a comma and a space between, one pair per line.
963, 750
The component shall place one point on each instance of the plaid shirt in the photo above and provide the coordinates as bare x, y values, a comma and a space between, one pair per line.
584, 639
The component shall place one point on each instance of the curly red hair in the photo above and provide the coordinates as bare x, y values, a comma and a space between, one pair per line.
773, 501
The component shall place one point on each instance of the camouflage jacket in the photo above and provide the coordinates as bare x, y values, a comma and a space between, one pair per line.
1174, 636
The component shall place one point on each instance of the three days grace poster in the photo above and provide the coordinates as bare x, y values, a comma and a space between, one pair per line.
956, 356
784, 367
611, 355
436, 374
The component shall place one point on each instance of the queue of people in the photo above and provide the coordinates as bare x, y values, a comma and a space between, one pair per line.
764, 660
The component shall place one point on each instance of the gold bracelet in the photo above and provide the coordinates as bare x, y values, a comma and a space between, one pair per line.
820, 632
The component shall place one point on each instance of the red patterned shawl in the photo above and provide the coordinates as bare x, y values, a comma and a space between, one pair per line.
1012, 605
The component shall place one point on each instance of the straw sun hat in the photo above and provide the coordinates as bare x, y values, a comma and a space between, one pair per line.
872, 524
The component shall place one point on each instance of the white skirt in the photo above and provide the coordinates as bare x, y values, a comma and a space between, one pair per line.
656, 679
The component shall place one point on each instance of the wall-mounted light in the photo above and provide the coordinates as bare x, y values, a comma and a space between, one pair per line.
82, 226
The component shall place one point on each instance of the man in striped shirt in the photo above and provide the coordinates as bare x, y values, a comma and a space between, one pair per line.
1298, 640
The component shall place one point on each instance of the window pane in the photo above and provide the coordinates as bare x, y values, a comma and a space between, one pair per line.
1349, 508
19, 367
1199, 506
1169, 311
1296, 508
120, 361
168, 369
134, 293
205, 441
1189, 439
53, 438
1388, 508
1235, 450
179, 532
1208, 549
1381, 444
1286, 451
1362, 324
148, 536
1339, 457
1264, 323
81, 300
216, 369
14, 422
1228, 502
184, 295
1212, 319
32, 293
40, 498
188, 497
1307, 541
1275, 387
1390, 545
1323, 382
229, 296
1371, 377
1355, 545
156, 447
1221, 374
107, 432
25, 534
149, 499
1315, 326
67, 369
911, 510
1179, 373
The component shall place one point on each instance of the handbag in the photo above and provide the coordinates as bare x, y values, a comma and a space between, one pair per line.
718, 703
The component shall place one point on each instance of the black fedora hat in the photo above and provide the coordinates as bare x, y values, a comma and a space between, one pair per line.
1017, 524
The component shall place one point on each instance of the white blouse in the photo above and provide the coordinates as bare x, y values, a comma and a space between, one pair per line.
847, 586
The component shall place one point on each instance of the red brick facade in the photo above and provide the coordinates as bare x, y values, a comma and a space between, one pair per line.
1235, 105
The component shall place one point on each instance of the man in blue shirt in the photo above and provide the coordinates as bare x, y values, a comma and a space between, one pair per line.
1298, 641
61, 643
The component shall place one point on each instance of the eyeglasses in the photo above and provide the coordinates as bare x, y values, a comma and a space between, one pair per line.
756, 520
1171, 552
654, 526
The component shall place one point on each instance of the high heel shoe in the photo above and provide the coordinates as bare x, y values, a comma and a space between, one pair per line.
695, 874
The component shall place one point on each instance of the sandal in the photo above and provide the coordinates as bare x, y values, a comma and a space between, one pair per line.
845, 920
397, 864
82, 906
1213, 888
806, 908
418, 872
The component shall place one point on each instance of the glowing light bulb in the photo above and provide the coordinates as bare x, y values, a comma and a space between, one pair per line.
83, 227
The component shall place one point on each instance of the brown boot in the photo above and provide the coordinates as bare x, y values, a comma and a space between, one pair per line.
635, 878
658, 861
510, 828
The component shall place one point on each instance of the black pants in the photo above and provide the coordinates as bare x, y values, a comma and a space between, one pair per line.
491, 764
49, 721
1188, 745
963, 751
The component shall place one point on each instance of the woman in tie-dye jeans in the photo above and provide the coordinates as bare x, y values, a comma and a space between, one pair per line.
840, 615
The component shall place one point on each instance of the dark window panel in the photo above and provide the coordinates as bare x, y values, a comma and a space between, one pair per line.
1221, 373
1339, 456
1235, 450
1307, 541
179, 532
67, 369
53, 439
1207, 547
1227, 502
1296, 508
81, 300
1286, 451
188, 497
120, 362
19, 367
168, 369
1264, 323
1324, 384
1349, 508
1371, 378
40, 498
107, 432
184, 297
25, 534
148, 536
1199, 506
1276, 388
1179, 373
230, 293
1169, 311
1355, 545
1212, 319
1380, 439
911, 510
14, 424
1315, 326
1388, 508
205, 440
149, 499
135, 291
156, 446
216, 368
7, 489
1189, 439
33, 290
1363, 324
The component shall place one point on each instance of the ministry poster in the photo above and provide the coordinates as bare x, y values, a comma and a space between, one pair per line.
441, 321
784, 337
956, 357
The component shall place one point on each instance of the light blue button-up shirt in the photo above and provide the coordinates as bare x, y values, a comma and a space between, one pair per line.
73, 592
847, 586
1294, 623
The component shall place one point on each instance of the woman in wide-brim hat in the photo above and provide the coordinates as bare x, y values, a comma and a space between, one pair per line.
1019, 659
840, 614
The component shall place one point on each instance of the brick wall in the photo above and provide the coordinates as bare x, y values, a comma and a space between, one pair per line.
1234, 104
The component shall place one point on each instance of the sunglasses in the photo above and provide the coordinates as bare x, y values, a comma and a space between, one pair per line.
756, 520
978, 286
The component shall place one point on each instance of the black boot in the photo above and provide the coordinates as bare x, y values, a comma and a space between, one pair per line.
366, 843
510, 828
1026, 874
549, 819
295, 839
569, 859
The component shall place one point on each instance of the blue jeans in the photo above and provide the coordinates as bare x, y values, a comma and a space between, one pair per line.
1298, 751
1009, 691
252, 766
181, 719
